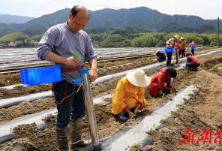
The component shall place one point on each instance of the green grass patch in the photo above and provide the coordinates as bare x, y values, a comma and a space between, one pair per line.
215, 66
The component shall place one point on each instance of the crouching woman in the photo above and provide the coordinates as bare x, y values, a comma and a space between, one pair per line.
192, 62
161, 56
161, 82
128, 97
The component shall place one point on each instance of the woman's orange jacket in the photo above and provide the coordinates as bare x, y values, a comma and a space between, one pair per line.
127, 94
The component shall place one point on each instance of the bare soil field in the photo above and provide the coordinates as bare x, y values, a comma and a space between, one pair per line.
202, 113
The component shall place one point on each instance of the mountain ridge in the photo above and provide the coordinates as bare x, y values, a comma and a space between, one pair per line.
141, 17
8, 19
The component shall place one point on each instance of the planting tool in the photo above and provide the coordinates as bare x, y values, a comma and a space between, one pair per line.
89, 107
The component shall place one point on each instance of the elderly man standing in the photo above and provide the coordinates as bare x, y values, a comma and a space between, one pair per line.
56, 46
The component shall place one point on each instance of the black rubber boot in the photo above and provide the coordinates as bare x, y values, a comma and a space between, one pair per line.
62, 138
75, 127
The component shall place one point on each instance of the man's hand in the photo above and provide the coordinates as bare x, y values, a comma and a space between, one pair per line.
71, 61
93, 70
93, 75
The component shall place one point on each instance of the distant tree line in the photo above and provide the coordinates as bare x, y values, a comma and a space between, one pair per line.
21, 39
132, 37
125, 37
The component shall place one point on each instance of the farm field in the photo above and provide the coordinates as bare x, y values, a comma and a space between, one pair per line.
201, 114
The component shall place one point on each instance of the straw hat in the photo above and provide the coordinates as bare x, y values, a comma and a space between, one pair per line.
176, 36
138, 78
155, 52
181, 38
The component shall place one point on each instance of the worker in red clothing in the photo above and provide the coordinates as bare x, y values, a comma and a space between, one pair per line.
161, 82
178, 48
192, 62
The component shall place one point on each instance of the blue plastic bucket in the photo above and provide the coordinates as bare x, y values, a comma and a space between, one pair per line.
169, 50
193, 47
35, 76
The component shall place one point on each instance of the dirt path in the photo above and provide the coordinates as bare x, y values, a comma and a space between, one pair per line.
199, 113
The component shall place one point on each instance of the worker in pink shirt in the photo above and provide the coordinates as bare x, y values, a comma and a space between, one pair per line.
192, 46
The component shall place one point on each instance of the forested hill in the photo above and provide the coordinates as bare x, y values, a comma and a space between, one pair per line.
5, 18
136, 17
141, 17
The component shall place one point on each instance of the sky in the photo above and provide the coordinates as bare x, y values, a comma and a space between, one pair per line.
36, 8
